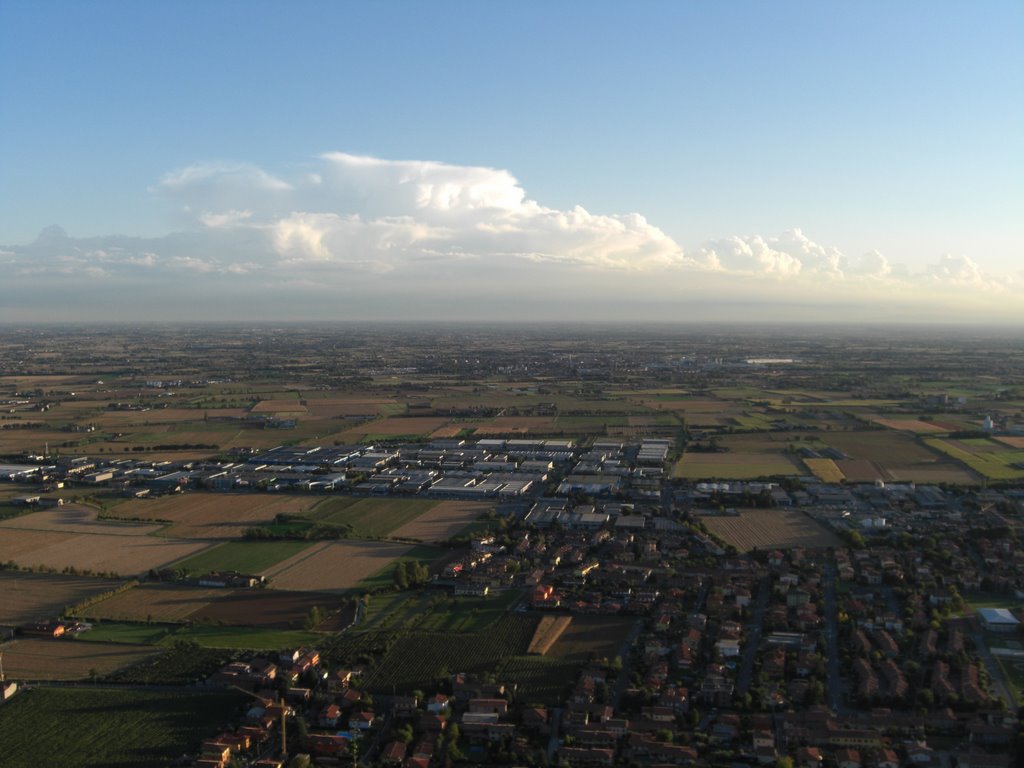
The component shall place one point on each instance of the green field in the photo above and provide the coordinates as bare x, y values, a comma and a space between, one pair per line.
248, 638
385, 577
251, 557
121, 632
111, 728
984, 456
371, 518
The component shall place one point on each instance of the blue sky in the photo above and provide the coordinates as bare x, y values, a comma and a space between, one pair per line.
886, 135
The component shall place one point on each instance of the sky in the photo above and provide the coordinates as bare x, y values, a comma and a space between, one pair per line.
642, 161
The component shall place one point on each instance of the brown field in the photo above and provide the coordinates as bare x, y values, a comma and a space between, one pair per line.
691, 406
334, 565
734, 466
937, 473
520, 425
861, 470
279, 406
99, 553
452, 430
442, 521
66, 659
549, 629
270, 608
213, 515
396, 426
153, 602
332, 409
76, 518
41, 596
1013, 442
767, 528
911, 425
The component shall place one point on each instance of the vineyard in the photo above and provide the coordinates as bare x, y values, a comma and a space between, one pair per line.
115, 728
549, 629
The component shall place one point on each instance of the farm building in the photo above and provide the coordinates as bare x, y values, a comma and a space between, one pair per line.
998, 620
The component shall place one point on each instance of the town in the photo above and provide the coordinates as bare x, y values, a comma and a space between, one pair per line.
583, 546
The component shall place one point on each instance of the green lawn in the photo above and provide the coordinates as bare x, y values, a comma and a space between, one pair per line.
118, 632
248, 638
243, 556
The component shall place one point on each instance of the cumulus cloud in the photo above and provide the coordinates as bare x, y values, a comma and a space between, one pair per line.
369, 227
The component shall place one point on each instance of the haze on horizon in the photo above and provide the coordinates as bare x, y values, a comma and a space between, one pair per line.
583, 161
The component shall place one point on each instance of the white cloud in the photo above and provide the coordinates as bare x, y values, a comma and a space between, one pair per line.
380, 231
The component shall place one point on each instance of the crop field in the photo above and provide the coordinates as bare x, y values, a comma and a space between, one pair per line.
549, 629
97, 553
518, 425
769, 528
1013, 442
986, 457
335, 565
916, 426
418, 659
39, 596
881, 446
243, 638
94, 727
443, 520
77, 518
279, 406
861, 470
734, 466
825, 470
423, 554
64, 659
252, 557
373, 517
153, 602
268, 608
397, 426
212, 515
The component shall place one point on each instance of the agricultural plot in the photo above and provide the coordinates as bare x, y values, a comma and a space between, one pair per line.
390, 428
153, 602
48, 659
443, 520
418, 659
40, 596
549, 629
372, 518
251, 557
825, 470
734, 466
423, 554
916, 426
77, 518
293, 407
771, 528
243, 638
268, 608
93, 727
212, 515
335, 565
988, 458
94, 553
516, 425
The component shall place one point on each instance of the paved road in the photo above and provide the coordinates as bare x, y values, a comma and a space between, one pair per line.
834, 685
754, 635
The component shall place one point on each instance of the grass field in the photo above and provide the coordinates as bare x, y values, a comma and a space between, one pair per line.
769, 528
384, 578
253, 557
371, 518
986, 457
65, 659
94, 727
131, 634
40, 596
153, 602
247, 638
77, 518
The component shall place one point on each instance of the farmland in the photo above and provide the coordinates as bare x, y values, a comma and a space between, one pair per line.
442, 521
986, 457
549, 630
95, 553
153, 602
334, 565
111, 728
63, 659
372, 518
767, 528
36, 597
734, 466
212, 515
77, 518
252, 557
